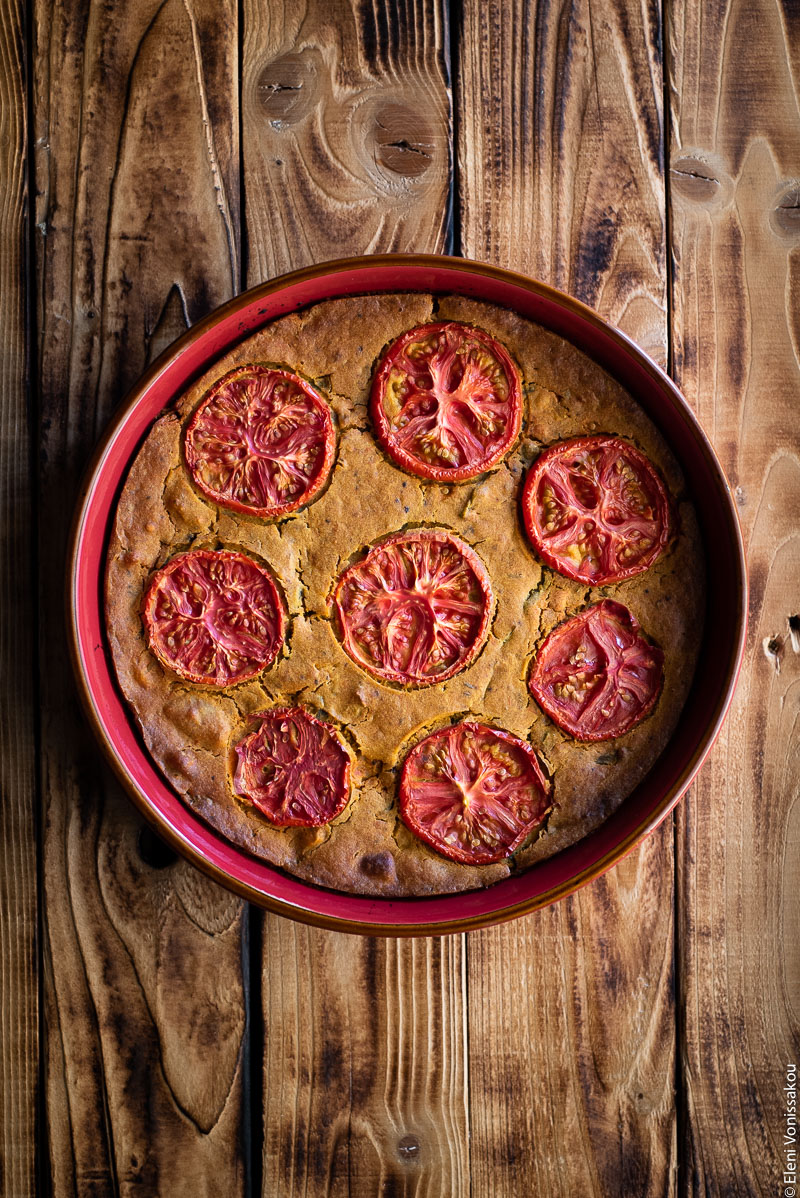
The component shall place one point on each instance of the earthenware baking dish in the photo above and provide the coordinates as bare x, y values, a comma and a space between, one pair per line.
548, 880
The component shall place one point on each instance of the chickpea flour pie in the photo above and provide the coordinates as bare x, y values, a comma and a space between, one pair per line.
404, 594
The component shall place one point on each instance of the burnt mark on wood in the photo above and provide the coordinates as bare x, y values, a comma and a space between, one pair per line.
595, 256
571, 915
685, 352
361, 1075
393, 1187
629, 1173
153, 850
382, 33
737, 340
330, 1063
368, 31
306, 1159
650, 110
336, 1163
372, 986
294, 1148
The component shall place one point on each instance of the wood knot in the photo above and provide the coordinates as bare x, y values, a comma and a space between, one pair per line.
694, 179
404, 141
785, 216
287, 89
408, 1148
153, 851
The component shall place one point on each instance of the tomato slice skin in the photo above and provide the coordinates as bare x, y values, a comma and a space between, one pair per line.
294, 768
222, 613
262, 442
446, 401
595, 509
416, 609
473, 793
596, 675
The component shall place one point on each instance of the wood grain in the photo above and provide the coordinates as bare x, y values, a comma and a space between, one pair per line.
365, 1077
346, 130
735, 163
571, 1034
537, 1058
137, 221
18, 894
346, 150
560, 151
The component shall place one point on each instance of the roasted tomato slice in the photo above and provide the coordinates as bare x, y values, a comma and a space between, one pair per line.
596, 510
596, 675
214, 617
416, 609
261, 442
294, 768
473, 793
446, 401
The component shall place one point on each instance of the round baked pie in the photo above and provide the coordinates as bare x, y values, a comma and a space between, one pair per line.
404, 594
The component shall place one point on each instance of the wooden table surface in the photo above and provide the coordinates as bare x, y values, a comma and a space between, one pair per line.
159, 1037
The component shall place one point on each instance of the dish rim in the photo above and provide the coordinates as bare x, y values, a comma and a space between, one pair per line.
377, 918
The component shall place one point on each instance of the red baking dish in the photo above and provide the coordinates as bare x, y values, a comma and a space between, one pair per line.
545, 881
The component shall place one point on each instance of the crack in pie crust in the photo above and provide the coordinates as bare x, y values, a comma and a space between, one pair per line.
191, 730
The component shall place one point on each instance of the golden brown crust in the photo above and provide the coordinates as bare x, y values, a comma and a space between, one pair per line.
190, 730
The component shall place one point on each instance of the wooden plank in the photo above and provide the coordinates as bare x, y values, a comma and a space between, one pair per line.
364, 1065
345, 130
571, 1032
735, 162
18, 984
346, 150
136, 123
